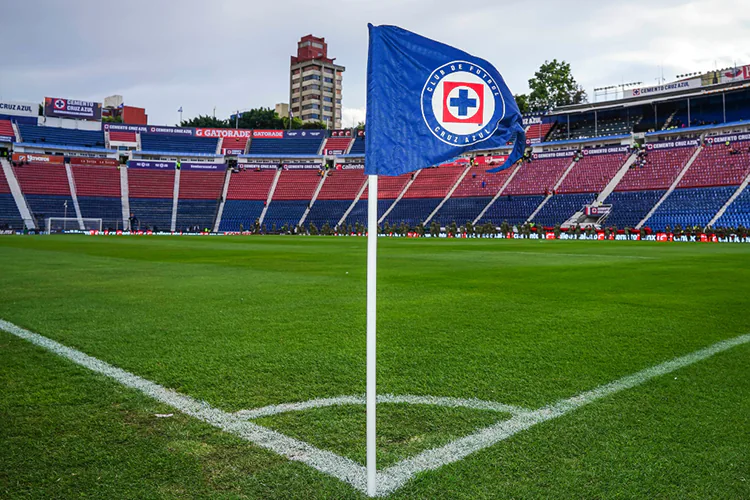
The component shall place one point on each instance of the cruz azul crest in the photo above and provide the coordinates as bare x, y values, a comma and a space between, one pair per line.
462, 104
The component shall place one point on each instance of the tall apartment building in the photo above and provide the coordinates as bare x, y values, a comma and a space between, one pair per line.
315, 83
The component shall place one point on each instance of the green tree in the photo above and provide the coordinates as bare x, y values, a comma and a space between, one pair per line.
313, 125
360, 126
259, 118
522, 100
204, 121
553, 85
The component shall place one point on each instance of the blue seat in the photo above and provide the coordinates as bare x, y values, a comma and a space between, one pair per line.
412, 211
358, 147
359, 212
327, 211
152, 213
109, 209
62, 136
630, 207
277, 147
177, 143
461, 210
513, 209
237, 212
561, 207
43, 206
201, 213
738, 213
690, 207
9, 215
284, 212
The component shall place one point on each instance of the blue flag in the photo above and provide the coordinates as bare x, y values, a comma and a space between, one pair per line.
428, 103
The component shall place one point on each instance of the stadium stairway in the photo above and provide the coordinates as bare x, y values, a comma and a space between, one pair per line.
354, 202
617, 178
124, 197
736, 212
271, 191
72, 185
448, 195
314, 198
14, 189
47, 191
400, 195
672, 187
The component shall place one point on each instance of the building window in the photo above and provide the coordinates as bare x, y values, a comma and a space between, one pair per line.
327, 99
328, 70
304, 44
327, 108
310, 106
311, 77
312, 116
328, 80
296, 99
338, 101
317, 45
310, 87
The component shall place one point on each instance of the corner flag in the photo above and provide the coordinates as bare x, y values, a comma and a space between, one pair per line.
428, 103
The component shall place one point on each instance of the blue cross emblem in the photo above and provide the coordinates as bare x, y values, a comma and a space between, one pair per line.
463, 102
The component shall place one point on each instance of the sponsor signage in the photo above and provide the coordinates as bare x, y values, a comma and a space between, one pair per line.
170, 130
7, 138
261, 165
672, 144
350, 166
227, 151
58, 107
121, 127
206, 167
18, 108
554, 154
333, 152
37, 158
149, 129
693, 83
736, 74
606, 150
597, 210
101, 162
302, 166
304, 134
341, 133
268, 134
719, 139
152, 164
223, 132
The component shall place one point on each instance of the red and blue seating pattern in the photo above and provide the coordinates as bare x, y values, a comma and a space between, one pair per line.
151, 195
98, 192
47, 191
10, 217
199, 199
61, 136
246, 197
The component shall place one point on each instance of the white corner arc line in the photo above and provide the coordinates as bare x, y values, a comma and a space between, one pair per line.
469, 403
344, 469
398, 474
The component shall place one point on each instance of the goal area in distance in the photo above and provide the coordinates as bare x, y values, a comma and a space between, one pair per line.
61, 224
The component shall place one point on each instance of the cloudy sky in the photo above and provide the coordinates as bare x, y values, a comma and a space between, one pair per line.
234, 54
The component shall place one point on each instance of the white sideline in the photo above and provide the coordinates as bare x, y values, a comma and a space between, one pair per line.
347, 470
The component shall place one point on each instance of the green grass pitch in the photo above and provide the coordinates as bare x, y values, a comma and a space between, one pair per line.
246, 322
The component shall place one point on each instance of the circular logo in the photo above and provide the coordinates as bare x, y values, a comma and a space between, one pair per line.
462, 103
59, 104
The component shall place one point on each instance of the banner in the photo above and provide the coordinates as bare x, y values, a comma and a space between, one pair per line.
7, 138
36, 158
532, 119
100, 162
333, 152
672, 144
205, 167
152, 164
302, 166
350, 166
18, 108
719, 139
223, 132
341, 133
693, 83
260, 165
304, 134
268, 134
606, 150
57, 107
553, 154
169, 130
227, 151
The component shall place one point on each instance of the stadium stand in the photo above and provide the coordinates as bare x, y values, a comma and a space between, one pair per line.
47, 191
718, 165
630, 207
658, 170
592, 173
10, 217
61, 136
738, 213
151, 193
281, 147
336, 145
335, 197
585, 128
6, 129
424, 195
199, 198
291, 198
246, 197
235, 143
690, 207
178, 144
98, 192
461, 210
538, 176
538, 131
388, 190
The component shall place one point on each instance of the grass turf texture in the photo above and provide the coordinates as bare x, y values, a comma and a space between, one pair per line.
247, 322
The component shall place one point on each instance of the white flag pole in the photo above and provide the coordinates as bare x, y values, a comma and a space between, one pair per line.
372, 260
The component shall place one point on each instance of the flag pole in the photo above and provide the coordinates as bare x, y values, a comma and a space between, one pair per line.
372, 253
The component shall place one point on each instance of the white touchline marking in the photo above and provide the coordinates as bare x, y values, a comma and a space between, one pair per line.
471, 403
344, 469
